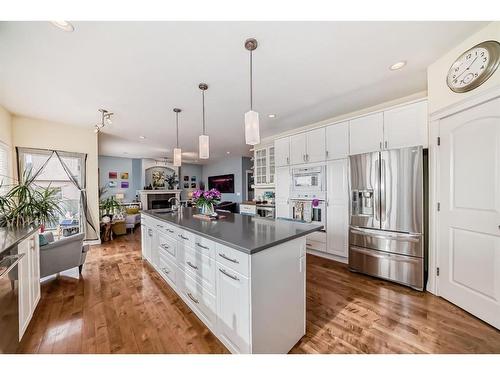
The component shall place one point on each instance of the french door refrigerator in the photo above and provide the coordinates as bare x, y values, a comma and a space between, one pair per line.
386, 234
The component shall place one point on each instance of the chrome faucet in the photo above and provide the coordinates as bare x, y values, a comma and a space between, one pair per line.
174, 206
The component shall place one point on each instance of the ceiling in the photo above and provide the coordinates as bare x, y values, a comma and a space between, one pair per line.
304, 72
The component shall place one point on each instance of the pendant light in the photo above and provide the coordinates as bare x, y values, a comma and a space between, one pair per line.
252, 134
204, 148
177, 150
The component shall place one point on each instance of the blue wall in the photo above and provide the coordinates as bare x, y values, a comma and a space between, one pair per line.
230, 165
113, 164
189, 170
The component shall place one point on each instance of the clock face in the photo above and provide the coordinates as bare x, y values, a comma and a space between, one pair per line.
473, 67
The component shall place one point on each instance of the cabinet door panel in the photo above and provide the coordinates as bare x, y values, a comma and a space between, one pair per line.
338, 208
337, 141
233, 309
24, 286
298, 148
35, 270
282, 151
406, 126
283, 180
315, 145
282, 208
366, 134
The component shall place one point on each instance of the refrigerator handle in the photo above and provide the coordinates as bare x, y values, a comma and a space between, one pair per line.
383, 215
376, 199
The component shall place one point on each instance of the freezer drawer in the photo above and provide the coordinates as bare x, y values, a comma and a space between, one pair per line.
399, 268
392, 242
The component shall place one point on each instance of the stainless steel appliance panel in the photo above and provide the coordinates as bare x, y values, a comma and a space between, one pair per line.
393, 242
400, 268
365, 202
401, 190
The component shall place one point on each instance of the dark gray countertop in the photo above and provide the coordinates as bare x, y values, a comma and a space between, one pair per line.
249, 234
10, 237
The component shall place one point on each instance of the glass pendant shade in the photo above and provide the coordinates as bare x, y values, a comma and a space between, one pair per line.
177, 157
204, 148
252, 134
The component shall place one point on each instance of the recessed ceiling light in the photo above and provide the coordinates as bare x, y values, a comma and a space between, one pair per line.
271, 115
397, 65
63, 25
228, 152
142, 137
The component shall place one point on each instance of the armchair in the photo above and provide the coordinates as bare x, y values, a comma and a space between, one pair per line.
61, 255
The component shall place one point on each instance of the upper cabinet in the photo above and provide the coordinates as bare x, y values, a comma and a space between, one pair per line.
403, 126
366, 134
282, 151
298, 148
337, 141
406, 126
264, 162
315, 140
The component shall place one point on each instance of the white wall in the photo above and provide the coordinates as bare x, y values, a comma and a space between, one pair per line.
439, 95
6, 134
34, 133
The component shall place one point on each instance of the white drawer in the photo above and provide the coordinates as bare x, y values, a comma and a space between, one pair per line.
186, 237
204, 246
201, 301
168, 270
165, 228
233, 259
198, 266
167, 246
315, 245
248, 209
317, 236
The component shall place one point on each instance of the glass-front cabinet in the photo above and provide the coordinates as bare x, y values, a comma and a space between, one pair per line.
264, 166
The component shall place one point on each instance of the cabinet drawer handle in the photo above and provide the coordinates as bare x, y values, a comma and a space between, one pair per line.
192, 298
203, 247
229, 275
170, 230
385, 144
164, 246
192, 265
184, 238
222, 255
150, 232
165, 271
159, 226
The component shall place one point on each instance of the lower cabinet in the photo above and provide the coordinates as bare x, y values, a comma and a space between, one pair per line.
29, 280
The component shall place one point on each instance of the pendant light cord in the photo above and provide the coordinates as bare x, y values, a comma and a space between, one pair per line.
203, 99
251, 82
177, 124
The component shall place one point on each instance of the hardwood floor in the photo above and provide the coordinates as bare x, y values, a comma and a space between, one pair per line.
121, 305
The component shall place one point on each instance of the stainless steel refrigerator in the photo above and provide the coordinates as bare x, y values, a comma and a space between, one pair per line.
386, 234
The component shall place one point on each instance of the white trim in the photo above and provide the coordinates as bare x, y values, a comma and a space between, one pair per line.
321, 254
92, 242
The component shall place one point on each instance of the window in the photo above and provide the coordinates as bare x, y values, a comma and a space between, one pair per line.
5, 176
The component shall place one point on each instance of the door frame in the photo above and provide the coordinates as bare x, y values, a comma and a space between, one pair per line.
434, 175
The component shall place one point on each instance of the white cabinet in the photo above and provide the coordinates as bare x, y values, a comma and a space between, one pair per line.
282, 192
264, 164
338, 207
315, 145
282, 151
406, 126
366, 133
29, 280
146, 241
337, 141
298, 148
233, 309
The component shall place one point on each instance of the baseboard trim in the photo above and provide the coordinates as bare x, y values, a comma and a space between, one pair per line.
92, 242
328, 256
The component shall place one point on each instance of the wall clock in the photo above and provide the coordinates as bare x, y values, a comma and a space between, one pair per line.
474, 67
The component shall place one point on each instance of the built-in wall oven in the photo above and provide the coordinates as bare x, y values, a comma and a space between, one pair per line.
308, 179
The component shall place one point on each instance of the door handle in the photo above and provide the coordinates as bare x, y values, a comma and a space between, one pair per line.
385, 144
326, 154
381, 145
287, 160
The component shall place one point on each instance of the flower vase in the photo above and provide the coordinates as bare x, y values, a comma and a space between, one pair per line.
207, 209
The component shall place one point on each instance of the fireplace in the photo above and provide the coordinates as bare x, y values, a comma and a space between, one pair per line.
156, 201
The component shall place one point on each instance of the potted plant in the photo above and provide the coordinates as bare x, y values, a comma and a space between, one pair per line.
26, 203
108, 207
172, 181
205, 200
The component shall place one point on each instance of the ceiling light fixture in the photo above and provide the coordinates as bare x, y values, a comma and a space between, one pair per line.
271, 115
142, 137
252, 134
105, 120
204, 141
63, 25
177, 150
398, 65
228, 152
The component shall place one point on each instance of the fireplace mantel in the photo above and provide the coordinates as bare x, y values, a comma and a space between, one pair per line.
143, 195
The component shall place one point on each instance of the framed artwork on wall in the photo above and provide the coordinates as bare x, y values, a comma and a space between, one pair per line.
124, 176
113, 175
193, 185
186, 185
124, 185
112, 184
186, 178
193, 178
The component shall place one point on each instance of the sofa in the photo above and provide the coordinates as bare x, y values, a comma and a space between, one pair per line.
132, 218
61, 255
227, 206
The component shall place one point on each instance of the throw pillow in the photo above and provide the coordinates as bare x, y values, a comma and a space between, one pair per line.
132, 210
43, 240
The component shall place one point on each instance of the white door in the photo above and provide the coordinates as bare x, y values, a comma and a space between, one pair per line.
282, 151
147, 242
469, 218
233, 309
338, 207
282, 192
24, 286
406, 126
366, 134
337, 141
315, 145
298, 148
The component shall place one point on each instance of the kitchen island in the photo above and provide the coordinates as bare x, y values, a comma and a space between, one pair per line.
243, 276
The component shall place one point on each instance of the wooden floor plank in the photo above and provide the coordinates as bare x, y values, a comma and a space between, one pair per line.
121, 305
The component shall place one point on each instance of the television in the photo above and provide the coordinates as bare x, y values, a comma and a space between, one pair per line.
224, 183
